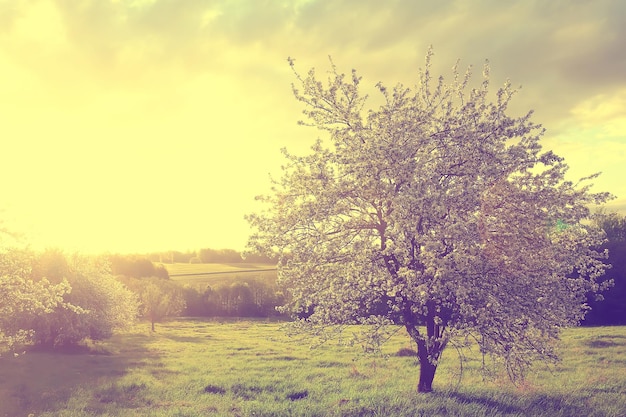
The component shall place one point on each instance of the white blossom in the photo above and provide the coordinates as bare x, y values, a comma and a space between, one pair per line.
437, 209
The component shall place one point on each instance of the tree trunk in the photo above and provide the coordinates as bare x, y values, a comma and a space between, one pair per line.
427, 368
429, 348
152, 321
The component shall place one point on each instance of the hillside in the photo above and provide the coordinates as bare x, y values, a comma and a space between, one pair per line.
201, 275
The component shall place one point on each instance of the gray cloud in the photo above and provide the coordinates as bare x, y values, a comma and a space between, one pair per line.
561, 51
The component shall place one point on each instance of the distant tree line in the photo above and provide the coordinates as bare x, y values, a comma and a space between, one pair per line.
208, 255
255, 297
136, 266
241, 298
53, 300
228, 256
611, 310
161, 297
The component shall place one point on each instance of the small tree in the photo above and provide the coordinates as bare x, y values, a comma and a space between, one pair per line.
159, 299
438, 212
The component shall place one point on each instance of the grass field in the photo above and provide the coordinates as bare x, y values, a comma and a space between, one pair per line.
201, 275
251, 368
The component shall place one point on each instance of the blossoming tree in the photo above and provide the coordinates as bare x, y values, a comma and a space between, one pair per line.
22, 298
438, 212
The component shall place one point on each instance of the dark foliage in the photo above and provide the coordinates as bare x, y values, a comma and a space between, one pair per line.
612, 309
240, 298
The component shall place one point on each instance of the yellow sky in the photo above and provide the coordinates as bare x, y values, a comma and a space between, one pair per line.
146, 125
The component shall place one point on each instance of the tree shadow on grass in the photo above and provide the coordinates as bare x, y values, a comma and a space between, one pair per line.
495, 406
188, 339
606, 341
42, 380
534, 404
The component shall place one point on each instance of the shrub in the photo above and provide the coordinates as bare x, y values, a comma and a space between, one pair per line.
104, 305
22, 298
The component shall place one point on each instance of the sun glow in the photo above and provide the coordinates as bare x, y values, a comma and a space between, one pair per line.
140, 125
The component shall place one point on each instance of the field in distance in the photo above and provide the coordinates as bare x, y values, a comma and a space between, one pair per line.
200, 275
197, 368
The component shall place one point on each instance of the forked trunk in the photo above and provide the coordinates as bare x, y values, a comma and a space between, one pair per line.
429, 348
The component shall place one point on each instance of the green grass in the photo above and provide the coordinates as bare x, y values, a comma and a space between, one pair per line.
203, 275
251, 368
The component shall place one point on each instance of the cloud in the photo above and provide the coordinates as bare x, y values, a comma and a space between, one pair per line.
562, 52
606, 111
545, 46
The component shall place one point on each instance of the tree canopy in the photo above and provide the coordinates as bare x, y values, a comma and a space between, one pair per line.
437, 211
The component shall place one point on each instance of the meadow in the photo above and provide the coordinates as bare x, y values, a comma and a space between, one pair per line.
202, 275
192, 367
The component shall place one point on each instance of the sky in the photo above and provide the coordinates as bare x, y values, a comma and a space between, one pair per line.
135, 126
